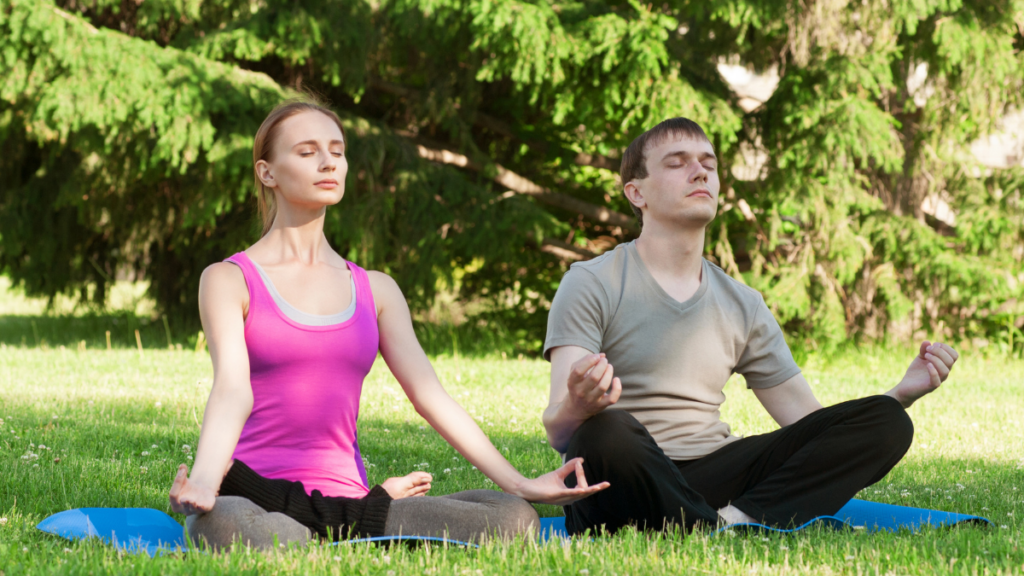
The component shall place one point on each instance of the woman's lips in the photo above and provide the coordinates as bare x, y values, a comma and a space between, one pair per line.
326, 184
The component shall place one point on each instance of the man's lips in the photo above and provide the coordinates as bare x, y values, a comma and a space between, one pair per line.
700, 192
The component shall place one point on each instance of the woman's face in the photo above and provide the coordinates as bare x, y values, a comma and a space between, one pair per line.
307, 165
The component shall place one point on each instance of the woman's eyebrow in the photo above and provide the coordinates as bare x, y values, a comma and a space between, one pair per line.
314, 143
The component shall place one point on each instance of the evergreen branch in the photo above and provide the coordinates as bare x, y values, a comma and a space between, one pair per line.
521, 185
498, 126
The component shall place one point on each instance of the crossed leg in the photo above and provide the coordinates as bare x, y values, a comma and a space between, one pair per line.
807, 469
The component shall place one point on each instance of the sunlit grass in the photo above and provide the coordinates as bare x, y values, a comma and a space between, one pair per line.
108, 428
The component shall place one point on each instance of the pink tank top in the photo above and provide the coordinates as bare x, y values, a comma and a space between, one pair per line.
306, 382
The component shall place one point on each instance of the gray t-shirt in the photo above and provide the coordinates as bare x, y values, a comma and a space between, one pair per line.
672, 357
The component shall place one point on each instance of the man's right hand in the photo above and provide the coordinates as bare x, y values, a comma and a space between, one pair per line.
592, 386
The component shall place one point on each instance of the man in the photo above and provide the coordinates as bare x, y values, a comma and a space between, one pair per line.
642, 341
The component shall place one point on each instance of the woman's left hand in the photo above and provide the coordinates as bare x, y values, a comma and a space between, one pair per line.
550, 488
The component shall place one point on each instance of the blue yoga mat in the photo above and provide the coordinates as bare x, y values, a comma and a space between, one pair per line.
152, 531
858, 514
131, 529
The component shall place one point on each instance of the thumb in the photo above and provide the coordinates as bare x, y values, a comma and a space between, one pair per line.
924, 348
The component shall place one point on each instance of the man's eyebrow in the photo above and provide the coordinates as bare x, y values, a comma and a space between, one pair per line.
702, 156
313, 142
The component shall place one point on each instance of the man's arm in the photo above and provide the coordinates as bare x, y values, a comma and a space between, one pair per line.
927, 371
793, 399
789, 401
582, 384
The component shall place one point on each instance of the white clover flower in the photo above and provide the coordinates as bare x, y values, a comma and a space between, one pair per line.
186, 448
154, 446
3, 521
35, 465
144, 453
43, 447
447, 470
31, 445
143, 469
158, 404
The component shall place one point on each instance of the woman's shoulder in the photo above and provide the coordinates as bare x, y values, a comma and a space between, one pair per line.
382, 284
222, 278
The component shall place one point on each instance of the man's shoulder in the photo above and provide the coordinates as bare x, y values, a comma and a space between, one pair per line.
728, 287
605, 266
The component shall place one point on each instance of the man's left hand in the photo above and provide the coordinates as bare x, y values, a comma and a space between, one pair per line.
927, 372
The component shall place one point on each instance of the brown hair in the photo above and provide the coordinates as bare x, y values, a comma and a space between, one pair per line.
634, 160
263, 145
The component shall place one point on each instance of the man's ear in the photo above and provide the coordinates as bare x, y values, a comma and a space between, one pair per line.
264, 174
634, 194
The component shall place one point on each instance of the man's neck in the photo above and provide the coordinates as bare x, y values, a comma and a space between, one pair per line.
673, 257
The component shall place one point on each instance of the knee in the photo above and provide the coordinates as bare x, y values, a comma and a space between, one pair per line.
609, 435
895, 429
235, 519
514, 516
221, 526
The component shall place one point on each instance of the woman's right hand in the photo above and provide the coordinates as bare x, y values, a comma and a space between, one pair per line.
412, 484
190, 498
551, 489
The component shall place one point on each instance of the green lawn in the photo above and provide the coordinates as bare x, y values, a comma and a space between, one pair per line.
115, 425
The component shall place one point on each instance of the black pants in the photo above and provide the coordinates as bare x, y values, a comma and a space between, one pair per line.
787, 477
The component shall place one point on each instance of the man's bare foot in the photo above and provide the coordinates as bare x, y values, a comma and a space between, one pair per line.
413, 484
732, 515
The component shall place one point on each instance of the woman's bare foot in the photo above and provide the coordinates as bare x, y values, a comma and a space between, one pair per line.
412, 484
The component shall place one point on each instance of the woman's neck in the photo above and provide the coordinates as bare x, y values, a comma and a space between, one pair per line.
296, 235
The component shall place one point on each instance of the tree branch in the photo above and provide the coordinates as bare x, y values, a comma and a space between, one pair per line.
497, 126
520, 185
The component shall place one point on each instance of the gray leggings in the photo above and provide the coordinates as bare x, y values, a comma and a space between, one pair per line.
469, 516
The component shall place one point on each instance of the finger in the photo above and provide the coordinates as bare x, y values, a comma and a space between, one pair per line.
924, 348
592, 489
934, 374
179, 481
602, 386
950, 351
581, 478
597, 372
582, 366
939, 365
613, 395
564, 470
939, 352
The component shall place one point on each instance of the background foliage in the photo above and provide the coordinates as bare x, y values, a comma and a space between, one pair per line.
485, 137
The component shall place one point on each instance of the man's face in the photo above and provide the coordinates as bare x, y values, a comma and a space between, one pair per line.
682, 183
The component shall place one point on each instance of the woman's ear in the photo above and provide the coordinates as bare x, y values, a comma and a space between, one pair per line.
634, 194
264, 174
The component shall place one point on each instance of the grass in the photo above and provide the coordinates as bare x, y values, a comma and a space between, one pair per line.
114, 424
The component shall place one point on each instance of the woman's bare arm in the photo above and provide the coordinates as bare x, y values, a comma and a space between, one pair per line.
407, 361
223, 297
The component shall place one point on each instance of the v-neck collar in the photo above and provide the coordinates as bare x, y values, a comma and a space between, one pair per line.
653, 284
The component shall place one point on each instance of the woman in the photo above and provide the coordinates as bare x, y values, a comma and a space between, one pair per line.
293, 329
